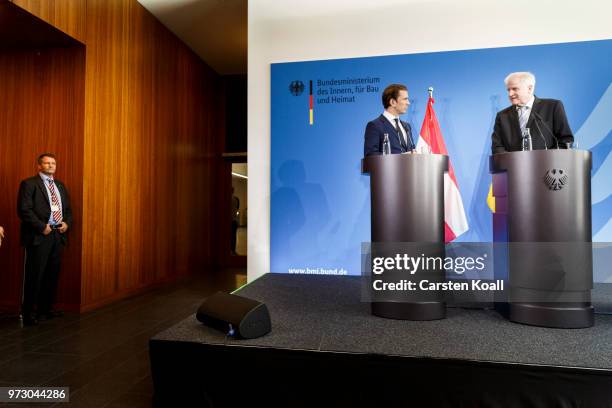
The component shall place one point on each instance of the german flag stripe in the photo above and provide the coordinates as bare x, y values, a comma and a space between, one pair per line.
311, 104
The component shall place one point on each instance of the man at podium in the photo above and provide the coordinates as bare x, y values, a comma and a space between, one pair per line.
543, 119
399, 134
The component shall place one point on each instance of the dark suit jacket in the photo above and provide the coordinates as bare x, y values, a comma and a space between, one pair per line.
506, 135
34, 209
374, 136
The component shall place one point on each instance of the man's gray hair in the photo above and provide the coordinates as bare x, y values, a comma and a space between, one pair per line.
525, 77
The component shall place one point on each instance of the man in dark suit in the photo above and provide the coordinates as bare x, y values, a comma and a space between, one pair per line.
395, 101
545, 118
43, 206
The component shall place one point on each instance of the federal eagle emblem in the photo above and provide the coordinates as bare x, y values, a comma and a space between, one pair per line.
555, 179
296, 88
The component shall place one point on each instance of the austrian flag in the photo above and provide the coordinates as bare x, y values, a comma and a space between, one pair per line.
431, 141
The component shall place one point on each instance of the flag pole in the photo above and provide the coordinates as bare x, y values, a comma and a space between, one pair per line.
430, 90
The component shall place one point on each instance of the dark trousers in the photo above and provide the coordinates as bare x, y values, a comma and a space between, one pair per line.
42, 268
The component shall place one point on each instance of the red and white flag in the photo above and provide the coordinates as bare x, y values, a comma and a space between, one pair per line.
431, 141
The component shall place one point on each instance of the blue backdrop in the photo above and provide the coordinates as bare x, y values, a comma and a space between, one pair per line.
320, 208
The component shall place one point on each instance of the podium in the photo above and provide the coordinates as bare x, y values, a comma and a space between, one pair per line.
542, 235
407, 206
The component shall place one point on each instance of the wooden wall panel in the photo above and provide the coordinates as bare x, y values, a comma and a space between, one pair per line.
41, 110
66, 15
150, 143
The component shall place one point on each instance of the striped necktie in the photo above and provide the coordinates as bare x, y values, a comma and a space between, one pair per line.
523, 116
57, 215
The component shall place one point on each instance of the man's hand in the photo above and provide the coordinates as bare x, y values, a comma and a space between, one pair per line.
63, 227
47, 230
1, 235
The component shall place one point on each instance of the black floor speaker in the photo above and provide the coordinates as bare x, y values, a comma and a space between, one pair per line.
235, 315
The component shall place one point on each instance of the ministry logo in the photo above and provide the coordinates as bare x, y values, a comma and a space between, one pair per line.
555, 179
296, 88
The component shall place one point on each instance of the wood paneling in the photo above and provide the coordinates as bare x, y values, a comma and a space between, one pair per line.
151, 145
41, 110
149, 153
66, 15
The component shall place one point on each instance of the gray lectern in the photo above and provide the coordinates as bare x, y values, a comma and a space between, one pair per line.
407, 204
542, 233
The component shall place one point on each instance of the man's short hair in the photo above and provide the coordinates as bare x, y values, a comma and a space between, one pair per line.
525, 77
392, 92
51, 155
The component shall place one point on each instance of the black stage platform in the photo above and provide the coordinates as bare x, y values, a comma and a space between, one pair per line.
326, 349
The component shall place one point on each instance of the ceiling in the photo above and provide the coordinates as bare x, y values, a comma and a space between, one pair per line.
216, 30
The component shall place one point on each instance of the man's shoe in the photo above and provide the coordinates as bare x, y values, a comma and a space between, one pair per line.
55, 313
29, 320
50, 315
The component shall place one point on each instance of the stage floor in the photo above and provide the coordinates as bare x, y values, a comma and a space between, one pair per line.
324, 313
319, 322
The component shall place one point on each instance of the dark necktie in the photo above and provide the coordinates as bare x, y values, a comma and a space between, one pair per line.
400, 135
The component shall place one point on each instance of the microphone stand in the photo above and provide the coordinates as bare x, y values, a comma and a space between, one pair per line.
538, 117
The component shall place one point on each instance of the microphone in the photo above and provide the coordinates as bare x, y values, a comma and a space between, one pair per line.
409, 134
539, 118
541, 135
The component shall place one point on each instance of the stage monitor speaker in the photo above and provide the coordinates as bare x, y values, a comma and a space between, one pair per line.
235, 315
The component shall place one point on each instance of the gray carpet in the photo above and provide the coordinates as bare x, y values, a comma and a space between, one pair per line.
324, 313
